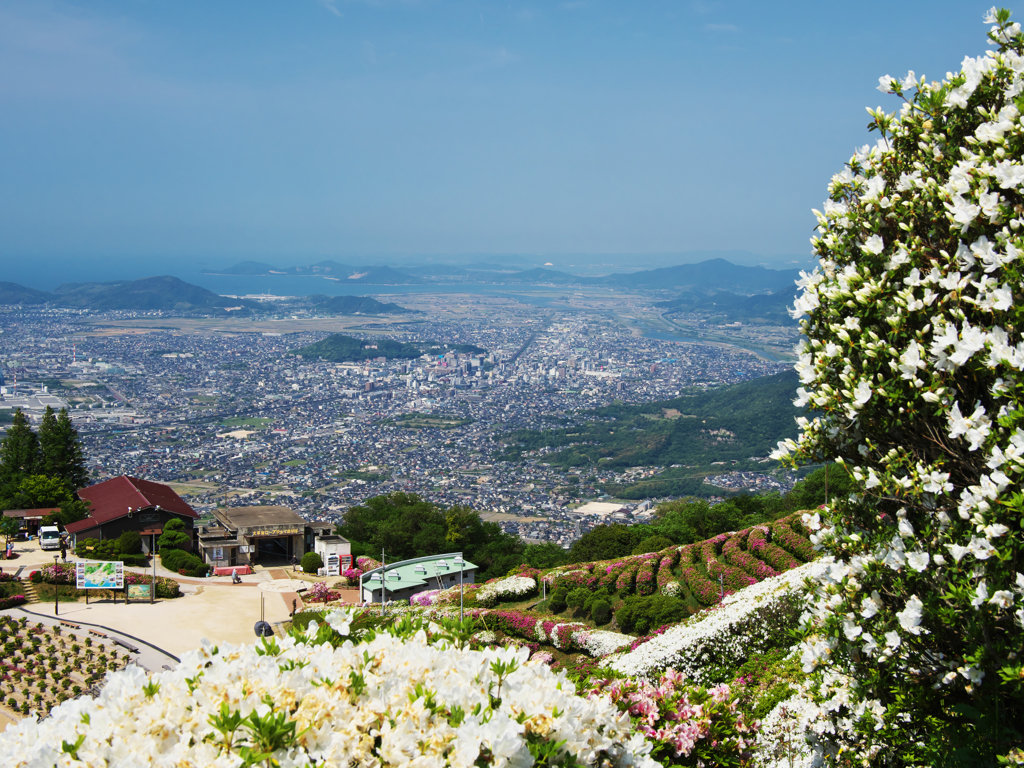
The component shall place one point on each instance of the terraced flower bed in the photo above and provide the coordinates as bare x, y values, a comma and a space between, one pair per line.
44, 666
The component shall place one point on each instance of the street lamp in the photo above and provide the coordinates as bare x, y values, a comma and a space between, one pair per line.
462, 564
56, 587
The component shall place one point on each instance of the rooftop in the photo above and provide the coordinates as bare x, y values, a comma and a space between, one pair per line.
253, 517
424, 572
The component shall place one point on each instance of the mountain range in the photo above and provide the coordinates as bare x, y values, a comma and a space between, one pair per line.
710, 275
167, 293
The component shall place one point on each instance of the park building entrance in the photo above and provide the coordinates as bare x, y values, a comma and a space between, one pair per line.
246, 536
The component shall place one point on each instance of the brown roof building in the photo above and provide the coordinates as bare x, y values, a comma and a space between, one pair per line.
129, 503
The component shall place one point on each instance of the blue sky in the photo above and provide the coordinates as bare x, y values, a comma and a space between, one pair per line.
147, 132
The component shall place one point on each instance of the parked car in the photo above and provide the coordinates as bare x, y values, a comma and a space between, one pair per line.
49, 537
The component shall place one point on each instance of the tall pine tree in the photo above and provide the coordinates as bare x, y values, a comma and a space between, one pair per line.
19, 452
61, 450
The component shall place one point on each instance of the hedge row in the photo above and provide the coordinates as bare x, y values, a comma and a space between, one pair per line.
183, 562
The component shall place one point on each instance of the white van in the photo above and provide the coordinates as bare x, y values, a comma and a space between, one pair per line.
49, 537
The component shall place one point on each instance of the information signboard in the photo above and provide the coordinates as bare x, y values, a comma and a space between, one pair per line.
108, 575
138, 591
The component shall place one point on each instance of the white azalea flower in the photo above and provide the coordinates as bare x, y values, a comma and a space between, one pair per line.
980, 595
910, 616
1002, 598
918, 560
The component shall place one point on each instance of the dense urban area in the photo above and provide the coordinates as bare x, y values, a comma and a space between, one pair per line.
236, 417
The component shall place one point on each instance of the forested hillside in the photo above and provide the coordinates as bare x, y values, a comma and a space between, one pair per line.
727, 424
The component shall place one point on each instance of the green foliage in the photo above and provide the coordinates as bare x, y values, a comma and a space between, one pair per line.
691, 520
765, 679
311, 562
44, 492
601, 612
641, 614
9, 527
405, 526
558, 601
43, 471
577, 597
174, 536
61, 449
544, 556
130, 543
654, 543
19, 452
606, 542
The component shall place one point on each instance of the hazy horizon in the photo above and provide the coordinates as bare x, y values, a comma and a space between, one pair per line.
46, 273
169, 137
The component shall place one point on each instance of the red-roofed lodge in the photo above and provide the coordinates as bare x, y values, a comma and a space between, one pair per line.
130, 504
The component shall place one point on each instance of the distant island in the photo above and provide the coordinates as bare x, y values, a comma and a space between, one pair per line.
368, 275
339, 348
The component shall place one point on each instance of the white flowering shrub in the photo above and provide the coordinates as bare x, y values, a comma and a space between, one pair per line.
912, 366
411, 695
672, 589
708, 646
509, 588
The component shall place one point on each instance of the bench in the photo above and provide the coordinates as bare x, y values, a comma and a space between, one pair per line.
125, 644
70, 625
97, 633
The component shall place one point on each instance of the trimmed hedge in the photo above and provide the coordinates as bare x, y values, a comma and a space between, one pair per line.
311, 562
183, 562
112, 550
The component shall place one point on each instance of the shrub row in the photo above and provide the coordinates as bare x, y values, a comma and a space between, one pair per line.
183, 562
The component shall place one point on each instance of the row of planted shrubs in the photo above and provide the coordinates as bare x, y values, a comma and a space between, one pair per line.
185, 563
127, 548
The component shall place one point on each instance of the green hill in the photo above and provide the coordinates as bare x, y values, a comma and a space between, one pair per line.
699, 432
726, 307
12, 293
342, 349
150, 293
713, 274
350, 305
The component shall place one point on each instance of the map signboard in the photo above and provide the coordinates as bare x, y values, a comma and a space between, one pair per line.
138, 591
109, 575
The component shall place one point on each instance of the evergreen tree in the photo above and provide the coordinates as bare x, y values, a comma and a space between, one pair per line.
61, 449
19, 452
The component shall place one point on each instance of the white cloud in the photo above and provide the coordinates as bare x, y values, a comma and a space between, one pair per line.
331, 5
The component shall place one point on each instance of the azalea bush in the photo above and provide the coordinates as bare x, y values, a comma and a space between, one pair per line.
911, 363
408, 694
509, 588
689, 725
707, 646
321, 593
